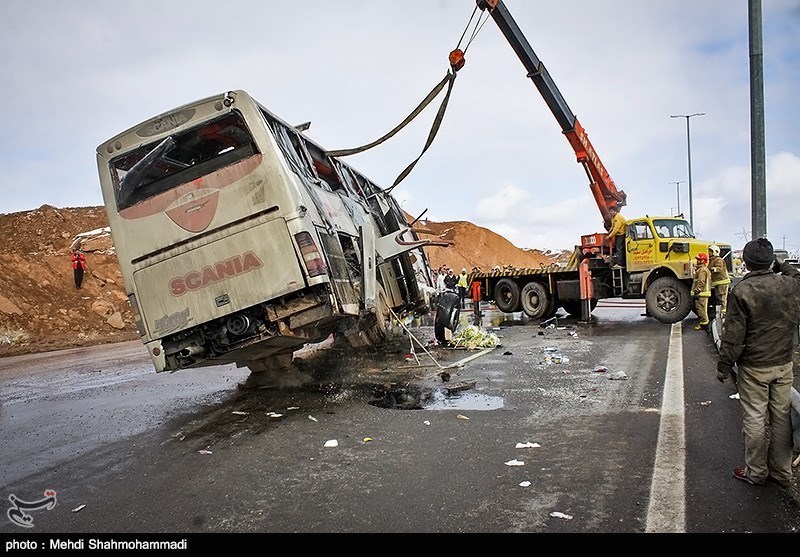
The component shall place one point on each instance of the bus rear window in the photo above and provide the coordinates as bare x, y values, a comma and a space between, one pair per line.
182, 157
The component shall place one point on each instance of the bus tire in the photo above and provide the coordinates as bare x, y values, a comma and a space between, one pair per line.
506, 295
668, 300
448, 313
536, 301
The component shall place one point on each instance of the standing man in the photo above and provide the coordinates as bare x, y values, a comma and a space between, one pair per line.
476, 298
78, 267
701, 290
720, 280
759, 338
615, 238
462, 286
451, 281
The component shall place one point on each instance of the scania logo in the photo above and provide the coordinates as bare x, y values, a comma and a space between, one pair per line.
195, 280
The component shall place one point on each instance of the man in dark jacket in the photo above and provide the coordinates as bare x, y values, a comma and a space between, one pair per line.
759, 336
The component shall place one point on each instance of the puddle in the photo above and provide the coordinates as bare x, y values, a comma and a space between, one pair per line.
410, 397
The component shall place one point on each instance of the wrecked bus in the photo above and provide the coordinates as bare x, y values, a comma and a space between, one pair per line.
240, 240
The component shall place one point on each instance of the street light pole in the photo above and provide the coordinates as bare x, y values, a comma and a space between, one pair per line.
689, 158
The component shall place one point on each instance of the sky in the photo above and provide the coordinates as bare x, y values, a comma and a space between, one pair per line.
77, 73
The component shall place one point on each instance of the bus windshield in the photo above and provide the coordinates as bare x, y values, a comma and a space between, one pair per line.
180, 158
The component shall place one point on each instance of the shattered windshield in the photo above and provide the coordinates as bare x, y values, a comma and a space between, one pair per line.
182, 157
673, 228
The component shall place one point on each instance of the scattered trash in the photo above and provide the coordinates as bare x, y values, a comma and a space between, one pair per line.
426, 422
526, 483
445, 376
462, 417
561, 328
312, 418
240, 413
600, 369
507, 353
367, 439
331, 443
204, 451
618, 375
573, 334
458, 387
540, 333
274, 415
515, 462
527, 445
78, 508
734, 395
705, 403
557, 514
293, 408
473, 336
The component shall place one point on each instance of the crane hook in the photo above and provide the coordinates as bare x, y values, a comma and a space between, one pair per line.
457, 59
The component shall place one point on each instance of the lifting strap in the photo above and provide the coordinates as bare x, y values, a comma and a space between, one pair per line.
456, 63
448, 80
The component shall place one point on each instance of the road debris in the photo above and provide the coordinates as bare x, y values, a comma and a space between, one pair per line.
462, 417
473, 337
240, 413
556, 514
312, 418
527, 445
600, 369
705, 403
331, 443
204, 451
515, 462
618, 375
525, 483
78, 508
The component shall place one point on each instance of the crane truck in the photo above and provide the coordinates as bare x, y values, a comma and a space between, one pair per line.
659, 251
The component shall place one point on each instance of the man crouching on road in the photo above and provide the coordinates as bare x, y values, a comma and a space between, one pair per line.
759, 336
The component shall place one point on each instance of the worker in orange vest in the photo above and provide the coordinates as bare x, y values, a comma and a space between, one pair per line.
78, 266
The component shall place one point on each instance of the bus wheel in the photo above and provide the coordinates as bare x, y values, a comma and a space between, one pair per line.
506, 295
536, 300
668, 300
378, 332
448, 313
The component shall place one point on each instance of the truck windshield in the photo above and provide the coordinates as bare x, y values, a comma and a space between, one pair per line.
673, 228
180, 158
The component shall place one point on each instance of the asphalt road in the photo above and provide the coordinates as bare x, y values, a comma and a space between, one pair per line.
615, 427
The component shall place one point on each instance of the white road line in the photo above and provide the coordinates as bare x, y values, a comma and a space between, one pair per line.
666, 512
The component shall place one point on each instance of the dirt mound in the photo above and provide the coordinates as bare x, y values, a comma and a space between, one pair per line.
41, 310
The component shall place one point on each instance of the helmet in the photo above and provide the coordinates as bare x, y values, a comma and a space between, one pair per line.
702, 257
713, 249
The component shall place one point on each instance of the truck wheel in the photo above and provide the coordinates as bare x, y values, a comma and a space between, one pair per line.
448, 312
668, 300
506, 295
573, 307
536, 300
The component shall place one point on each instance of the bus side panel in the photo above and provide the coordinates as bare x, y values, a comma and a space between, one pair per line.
219, 278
